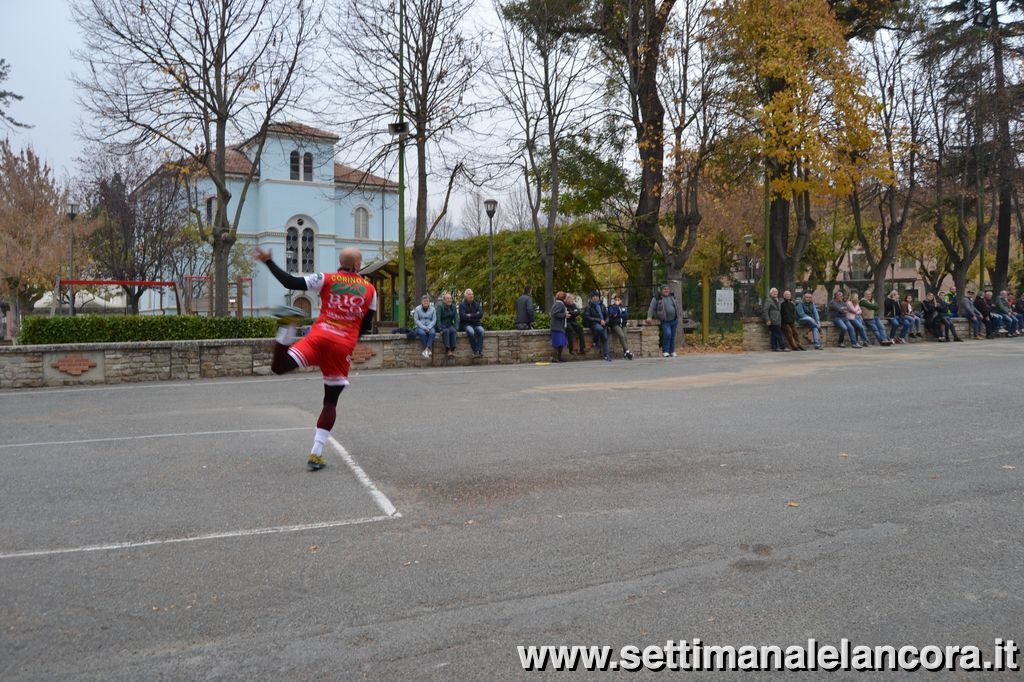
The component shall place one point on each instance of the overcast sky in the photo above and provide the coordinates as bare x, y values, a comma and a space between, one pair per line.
36, 39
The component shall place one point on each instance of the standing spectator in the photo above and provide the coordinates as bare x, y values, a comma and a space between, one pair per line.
471, 313
837, 309
664, 307
558, 315
894, 313
773, 318
448, 322
854, 315
970, 313
935, 320
916, 321
871, 320
524, 310
788, 311
596, 317
807, 316
618, 316
572, 325
1002, 305
425, 319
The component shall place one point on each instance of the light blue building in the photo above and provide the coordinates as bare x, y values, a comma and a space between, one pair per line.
305, 207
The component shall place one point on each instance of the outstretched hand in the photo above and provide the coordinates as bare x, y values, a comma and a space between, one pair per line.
261, 255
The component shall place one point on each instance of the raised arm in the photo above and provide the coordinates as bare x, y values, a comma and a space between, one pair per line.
287, 281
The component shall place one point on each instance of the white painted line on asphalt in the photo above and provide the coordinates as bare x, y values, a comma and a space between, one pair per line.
14, 392
380, 498
152, 435
194, 538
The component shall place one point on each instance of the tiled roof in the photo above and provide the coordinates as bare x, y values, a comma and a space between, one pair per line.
352, 176
299, 130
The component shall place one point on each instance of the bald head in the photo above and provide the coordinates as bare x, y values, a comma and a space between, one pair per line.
350, 258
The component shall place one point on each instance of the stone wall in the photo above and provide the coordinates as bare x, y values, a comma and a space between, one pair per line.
115, 363
755, 334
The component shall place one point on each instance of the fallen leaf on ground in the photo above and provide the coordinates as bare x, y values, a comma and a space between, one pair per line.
792, 504
1009, 466
313, 549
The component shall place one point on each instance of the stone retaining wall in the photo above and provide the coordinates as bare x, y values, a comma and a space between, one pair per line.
755, 333
115, 363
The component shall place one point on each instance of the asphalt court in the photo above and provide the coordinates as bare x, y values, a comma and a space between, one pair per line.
110, 489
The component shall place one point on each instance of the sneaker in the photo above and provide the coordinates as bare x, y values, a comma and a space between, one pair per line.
315, 462
608, 358
628, 355
818, 348
287, 314
424, 354
665, 355
673, 354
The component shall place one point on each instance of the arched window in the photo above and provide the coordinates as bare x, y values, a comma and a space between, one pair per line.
291, 250
295, 166
307, 250
307, 167
362, 223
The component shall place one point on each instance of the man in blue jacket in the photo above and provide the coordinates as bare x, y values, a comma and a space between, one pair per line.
807, 316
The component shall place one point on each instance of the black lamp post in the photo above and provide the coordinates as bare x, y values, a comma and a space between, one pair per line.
72, 214
748, 241
491, 205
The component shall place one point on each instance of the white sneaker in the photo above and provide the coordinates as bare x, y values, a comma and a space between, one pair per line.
430, 353
673, 354
664, 355
424, 353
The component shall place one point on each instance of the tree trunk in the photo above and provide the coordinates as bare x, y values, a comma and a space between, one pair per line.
221, 257
1004, 163
419, 246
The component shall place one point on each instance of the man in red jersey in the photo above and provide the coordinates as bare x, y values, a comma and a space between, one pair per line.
347, 304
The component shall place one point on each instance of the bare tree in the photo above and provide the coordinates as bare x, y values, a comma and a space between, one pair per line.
545, 76
184, 76
472, 216
6, 97
690, 75
440, 63
898, 86
139, 222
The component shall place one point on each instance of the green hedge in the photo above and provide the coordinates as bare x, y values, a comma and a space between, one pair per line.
503, 322
105, 329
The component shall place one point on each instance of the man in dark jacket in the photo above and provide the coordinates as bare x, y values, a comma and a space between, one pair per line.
596, 317
524, 310
788, 310
470, 315
1002, 306
664, 307
984, 307
837, 310
967, 311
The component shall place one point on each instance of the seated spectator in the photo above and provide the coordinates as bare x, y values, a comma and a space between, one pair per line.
1018, 311
1002, 305
871, 319
965, 309
807, 316
470, 315
909, 313
950, 300
618, 316
524, 310
935, 319
789, 332
596, 317
773, 318
894, 314
558, 315
854, 315
448, 323
425, 319
947, 314
837, 309
984, 305
572, 325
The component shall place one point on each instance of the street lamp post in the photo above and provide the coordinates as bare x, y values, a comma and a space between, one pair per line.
491, 205
72, 214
